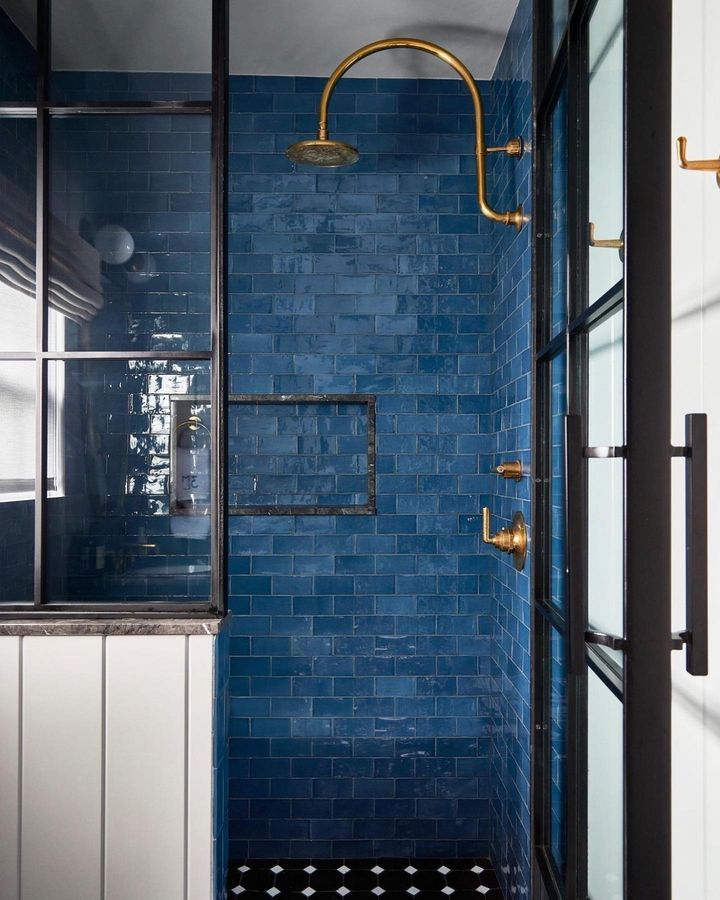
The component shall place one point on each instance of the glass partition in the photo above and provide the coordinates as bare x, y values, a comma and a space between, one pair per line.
133, 524
102, 51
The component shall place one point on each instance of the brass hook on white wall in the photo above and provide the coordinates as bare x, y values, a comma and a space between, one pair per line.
696, 165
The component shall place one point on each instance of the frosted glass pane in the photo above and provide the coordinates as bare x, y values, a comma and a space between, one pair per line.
606, 156
605, 792
605, 383
605, 544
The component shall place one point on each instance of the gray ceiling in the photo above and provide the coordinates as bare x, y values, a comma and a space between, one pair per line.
271, 37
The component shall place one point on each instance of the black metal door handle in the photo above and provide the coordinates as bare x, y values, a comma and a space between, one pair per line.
574, 486
695, 636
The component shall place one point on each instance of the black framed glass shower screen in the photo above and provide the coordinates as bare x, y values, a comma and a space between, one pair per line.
601, 669
112, 307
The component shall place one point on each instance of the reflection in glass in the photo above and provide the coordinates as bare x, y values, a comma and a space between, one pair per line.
17, 235
559, 21
558, 749
114, 535
605, 382
17, 481
101, 50
558, 369
559, 277
18, 61
130, 231
606, 131
605, 545
605, 792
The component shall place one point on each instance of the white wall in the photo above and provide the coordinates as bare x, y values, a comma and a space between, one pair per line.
696, 388
106, 767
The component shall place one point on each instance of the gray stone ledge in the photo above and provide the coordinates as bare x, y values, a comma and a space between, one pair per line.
129, 626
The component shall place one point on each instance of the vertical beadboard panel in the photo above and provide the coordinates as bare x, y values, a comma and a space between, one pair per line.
61, 768
200, 767
10, 656
145, 766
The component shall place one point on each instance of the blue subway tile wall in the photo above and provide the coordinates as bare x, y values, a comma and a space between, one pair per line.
361, 673
512, 375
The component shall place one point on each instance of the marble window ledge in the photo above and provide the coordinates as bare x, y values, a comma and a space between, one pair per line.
113, 626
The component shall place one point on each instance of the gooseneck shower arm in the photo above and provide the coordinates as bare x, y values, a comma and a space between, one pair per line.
512, 148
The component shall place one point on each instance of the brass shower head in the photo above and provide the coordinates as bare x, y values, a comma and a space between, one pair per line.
325, 152
322, 152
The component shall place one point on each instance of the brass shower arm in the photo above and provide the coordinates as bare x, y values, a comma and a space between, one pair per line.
513, 148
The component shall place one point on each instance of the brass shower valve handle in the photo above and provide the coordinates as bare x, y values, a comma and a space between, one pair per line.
508, 540
514, 147
510, 470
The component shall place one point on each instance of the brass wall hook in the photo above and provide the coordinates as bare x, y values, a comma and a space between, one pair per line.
696, 165
508, 540
607, 244
510, 470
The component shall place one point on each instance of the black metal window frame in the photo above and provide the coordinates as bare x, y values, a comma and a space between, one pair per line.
365, 509
216, 109
643, 683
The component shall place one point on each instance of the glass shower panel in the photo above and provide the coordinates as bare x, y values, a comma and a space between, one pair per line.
18, 61
133, 521
559, 22
17, 481
130, 231
17, 235
558, 488
558, 749
157, 51
606, 524
606, 387
559, 272
606, 144
605, 792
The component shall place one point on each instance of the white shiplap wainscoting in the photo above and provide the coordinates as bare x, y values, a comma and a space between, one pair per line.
106, 767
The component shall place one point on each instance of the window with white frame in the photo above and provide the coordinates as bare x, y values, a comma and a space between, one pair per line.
17, 401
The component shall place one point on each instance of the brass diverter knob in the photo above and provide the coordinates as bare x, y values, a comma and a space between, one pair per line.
508, 540
510, 470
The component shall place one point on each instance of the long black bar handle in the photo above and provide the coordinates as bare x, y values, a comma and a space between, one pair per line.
696, 544
574, 537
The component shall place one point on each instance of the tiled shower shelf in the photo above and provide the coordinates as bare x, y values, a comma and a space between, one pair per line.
363, 879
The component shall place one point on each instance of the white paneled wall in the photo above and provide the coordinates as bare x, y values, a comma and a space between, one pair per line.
106, 767
696, 360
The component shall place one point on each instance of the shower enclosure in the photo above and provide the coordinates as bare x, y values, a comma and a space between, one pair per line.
266, 395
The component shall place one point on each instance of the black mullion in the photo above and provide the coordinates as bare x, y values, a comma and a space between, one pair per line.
198, 355
578, 177
42, 192
606, 670
648, 695
101, 610
599, 310
131, 107
218, 312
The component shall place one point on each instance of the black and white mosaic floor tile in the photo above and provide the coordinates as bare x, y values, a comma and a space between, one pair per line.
363, 879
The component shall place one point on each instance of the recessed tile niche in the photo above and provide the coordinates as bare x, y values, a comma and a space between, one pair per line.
301, 454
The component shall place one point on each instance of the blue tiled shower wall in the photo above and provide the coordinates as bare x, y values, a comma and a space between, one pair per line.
361, 674
510, 838
379, 684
